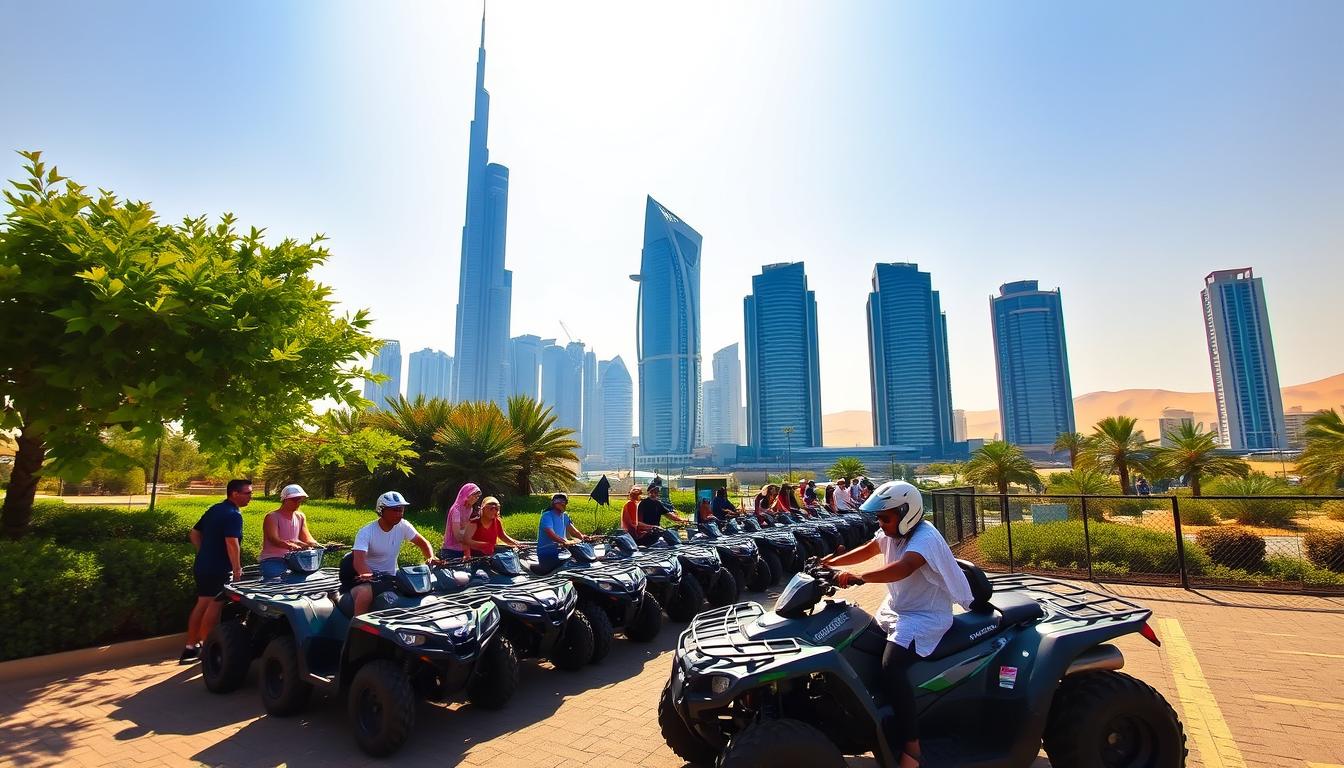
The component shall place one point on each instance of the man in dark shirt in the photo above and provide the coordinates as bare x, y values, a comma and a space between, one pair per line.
217, 537
721, 506
651, 511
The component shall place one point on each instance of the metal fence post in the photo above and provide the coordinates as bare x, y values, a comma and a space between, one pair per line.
956, 507
1008, 521
1180, 542
1087, 539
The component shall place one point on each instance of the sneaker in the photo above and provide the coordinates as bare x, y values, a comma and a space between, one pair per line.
190, 655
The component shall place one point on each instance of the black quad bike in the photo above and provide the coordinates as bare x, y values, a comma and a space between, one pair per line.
612, 595
779, 548
307, 639
740, 554
701, 561
1029, 664
540, 617
809, 539
678, 592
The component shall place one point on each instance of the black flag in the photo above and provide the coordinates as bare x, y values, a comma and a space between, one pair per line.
602, 492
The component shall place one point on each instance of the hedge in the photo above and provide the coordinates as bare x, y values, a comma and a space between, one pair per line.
1325, 549
1233, 546
1116, 548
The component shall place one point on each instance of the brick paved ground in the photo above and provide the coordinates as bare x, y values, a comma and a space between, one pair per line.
1262, 684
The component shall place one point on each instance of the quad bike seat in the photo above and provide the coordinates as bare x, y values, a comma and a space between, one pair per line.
534, 566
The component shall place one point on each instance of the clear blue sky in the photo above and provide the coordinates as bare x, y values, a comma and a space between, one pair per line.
1119, 152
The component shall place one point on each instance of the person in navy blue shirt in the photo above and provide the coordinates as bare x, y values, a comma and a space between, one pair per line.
217, 537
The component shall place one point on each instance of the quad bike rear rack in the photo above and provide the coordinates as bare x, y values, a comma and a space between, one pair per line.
1064, 600
317, 584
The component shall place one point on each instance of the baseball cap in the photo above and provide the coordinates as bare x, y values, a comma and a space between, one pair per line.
560, 497
293, 490
391, 499
488, 500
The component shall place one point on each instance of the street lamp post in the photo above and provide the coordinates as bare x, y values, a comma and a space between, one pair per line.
788, 434
633, 481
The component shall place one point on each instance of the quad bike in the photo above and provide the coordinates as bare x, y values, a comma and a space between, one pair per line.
678, 592
740, 554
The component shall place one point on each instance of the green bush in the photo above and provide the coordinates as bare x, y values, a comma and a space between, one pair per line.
53, 598
1233, 547
1198, 512
1270, 513
149, 586
1325, 549
71, 525
1287, 568
1128, 547
1334, 509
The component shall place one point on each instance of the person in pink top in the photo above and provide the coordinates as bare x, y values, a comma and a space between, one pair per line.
283, 531
455, 527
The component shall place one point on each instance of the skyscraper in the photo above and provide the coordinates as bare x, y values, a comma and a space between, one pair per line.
485, 287
723, 399
525, 365
617, 411
386, 361
667, 333
1035, 395
907, 348
1241, 354
958, 425
783, 368
1170, 421
592, 408
431, 375
562, 385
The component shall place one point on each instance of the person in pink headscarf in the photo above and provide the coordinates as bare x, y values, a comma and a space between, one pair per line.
455, 527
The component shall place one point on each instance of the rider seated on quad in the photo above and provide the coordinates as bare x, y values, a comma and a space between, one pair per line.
283, 531
649, 514
787, 501
704, 513
486, 531
376, 548
722, 506
554, 531
923, 581
765, 502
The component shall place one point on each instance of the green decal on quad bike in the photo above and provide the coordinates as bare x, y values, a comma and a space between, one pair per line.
952, 677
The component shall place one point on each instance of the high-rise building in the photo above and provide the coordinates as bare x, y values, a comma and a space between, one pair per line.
592, 407
1241, 354
1170, 421
617, 411
783, 368
667, 334
1295, 426
430, 375
723, 399
907, 349
525, 365
958, 425
485, 287
1035, 396
387, 361
562, 385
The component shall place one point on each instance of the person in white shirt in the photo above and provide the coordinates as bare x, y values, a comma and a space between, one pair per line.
923, 581
843, 501
377, 546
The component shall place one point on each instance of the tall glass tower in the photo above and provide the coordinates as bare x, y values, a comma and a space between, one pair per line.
1035, 397
562, 385
1241, 354
907, 347
485, 287
783, 368
592, 408
617, 411
386, 361
430, 375
667, 334
723, 398
525, 364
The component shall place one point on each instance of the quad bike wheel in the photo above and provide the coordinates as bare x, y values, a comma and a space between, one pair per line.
575, 647
225, 656
769, 743
602, 630
283, 689
683, 742
1111, 720
724, 590
381, 707
688, 599
761, 576
773, 563
496, 675
648, 620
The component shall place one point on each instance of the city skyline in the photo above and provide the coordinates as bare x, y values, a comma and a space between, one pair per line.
1028, 144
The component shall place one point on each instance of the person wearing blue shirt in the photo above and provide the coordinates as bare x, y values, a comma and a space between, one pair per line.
721, 506
217, 536
554, 531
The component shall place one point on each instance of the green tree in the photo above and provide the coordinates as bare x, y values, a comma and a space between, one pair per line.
999, 463
112, 319
548, 455
1114, 445
477, 445
419, 422
846, 466
1087, 481
1193, 454
1322, 462
1074, 443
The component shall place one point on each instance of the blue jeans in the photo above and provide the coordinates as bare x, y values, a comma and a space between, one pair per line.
273, 568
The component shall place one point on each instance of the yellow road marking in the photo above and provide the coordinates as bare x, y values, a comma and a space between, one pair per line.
1328, 706
1317, 655
1203, 719
1324, 765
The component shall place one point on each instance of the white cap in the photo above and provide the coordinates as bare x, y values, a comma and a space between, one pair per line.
391, 499
294, 490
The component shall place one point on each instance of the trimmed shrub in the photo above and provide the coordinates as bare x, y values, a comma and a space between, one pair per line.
1287, 568
1325, 549
53, 599
70, 525
1123, 548
1233, 547
1269, 513
1198, 512
149, 586
1334, 509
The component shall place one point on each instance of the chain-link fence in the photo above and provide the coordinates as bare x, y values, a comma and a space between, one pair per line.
1252, 542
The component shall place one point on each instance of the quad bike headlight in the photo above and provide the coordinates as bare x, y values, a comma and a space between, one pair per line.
517, 606
411, 638
719, 683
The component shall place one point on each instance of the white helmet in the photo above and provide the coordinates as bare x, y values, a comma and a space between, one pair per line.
390, 499
900, 497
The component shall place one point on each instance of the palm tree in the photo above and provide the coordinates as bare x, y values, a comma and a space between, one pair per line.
477, 445
999, 463
1073, 442
419, 423
1193, 455
548, 454
846, 466
1322, 461
1087, 481
1115, 445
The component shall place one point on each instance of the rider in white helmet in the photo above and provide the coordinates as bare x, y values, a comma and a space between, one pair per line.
923, 581
377, 546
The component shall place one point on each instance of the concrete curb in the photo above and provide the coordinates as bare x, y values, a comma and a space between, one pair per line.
68, 663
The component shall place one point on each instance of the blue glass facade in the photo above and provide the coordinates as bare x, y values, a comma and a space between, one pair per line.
386, 361
617, 394
1241, 355
485, 287
1032, 360
525, 365
430, 375
562, 385
667, 334
783, 368
907, 346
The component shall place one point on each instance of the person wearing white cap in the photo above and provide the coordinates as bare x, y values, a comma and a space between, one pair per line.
376, 548
283, 531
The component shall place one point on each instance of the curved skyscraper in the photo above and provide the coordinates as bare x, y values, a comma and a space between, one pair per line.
1035, 396
485, 287
667, 334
